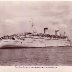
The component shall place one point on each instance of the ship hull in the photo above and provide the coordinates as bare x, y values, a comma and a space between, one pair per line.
34, 43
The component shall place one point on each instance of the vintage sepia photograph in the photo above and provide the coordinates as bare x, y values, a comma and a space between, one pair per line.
35, 33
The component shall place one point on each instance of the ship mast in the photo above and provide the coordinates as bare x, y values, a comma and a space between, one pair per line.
33, 26
56, 31
32, 23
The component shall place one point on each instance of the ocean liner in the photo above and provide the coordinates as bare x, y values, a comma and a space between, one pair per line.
34, 39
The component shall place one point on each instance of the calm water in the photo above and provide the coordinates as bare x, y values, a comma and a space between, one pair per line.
36, 56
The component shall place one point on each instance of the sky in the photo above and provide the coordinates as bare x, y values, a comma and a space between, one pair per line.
18, 16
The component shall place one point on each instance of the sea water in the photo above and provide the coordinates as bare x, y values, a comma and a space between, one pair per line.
36, 56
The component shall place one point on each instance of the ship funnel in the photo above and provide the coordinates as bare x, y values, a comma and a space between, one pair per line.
45, 30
